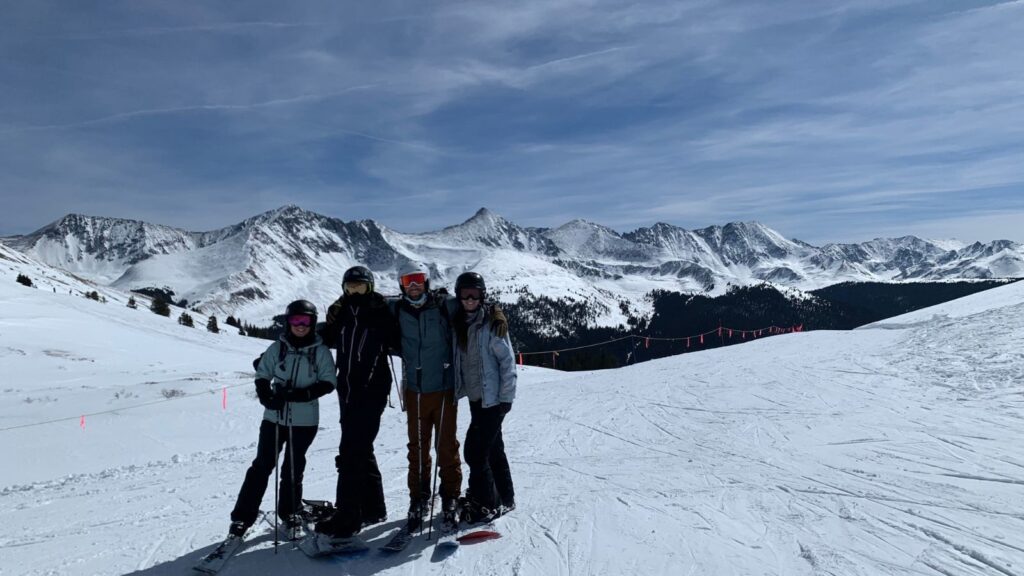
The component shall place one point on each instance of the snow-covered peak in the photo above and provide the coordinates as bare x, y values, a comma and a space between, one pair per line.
102, 248
487, 229
748, 243
584, 239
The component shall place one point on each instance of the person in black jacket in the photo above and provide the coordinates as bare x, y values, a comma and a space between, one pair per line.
360, 326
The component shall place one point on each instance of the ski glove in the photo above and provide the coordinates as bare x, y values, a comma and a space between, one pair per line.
308, 394
267, 397
506, 407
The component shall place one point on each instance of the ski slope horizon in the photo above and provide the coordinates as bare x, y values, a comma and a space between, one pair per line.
895, 448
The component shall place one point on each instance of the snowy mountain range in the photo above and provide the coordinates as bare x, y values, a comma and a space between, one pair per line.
252, 269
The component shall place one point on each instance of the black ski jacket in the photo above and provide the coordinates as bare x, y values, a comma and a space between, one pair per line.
361, 328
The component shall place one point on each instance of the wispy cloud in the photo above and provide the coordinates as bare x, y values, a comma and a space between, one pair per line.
824, 119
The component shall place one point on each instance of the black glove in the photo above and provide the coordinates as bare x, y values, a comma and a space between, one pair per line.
263, 391
277, 401
296, 394
506, 407
268, 397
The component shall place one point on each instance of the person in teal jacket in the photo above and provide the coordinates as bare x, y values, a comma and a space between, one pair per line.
427, 391
291, 375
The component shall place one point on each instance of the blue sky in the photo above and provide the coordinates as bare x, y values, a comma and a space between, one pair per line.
827, 120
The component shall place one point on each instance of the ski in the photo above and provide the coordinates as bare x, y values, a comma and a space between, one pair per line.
447, 536
317, 545
214, 562
401, 538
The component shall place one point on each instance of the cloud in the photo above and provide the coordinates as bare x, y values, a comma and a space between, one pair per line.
824, 119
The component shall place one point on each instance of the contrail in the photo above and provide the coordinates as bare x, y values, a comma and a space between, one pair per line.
180, 109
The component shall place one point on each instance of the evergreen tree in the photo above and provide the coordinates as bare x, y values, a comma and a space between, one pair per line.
186, 320
160, 307
24, 280
131, 303
211, 325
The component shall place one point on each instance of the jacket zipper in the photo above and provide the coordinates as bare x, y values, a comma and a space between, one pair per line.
348, 374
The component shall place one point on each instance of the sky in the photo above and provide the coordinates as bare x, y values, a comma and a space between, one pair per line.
830, 121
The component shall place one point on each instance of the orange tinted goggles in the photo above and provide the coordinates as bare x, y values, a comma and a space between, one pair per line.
418, 278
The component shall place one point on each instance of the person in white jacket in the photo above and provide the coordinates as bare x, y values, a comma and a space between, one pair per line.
485, 374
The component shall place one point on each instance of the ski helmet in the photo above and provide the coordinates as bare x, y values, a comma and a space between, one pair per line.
470, 280
411, 269
301, 307
358, 274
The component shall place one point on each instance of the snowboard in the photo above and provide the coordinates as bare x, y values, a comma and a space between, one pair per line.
479, 533
317, 545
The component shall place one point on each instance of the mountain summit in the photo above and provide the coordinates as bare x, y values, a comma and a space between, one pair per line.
253, 268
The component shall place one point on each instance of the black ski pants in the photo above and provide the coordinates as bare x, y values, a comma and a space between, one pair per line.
247, 506
490, 480
360, 491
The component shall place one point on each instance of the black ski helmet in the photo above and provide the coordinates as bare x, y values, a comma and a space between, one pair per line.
470, 280
358, 274
301, 307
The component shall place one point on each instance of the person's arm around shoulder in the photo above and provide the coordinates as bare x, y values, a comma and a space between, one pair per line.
395, 333
329, 333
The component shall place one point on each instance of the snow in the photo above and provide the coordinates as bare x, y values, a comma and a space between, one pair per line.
897, 448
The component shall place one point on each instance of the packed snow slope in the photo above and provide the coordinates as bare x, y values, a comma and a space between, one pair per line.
897, 448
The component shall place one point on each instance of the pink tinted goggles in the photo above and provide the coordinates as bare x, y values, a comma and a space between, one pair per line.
300, 320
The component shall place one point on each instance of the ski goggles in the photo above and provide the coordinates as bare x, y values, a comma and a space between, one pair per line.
416, 278
470, 295
356, 287
300, 320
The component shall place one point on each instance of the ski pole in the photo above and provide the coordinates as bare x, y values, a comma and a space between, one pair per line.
419, 451
437, 466
277, 446
291, 456
291, 444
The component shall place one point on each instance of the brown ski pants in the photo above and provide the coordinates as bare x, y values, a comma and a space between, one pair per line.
427, 414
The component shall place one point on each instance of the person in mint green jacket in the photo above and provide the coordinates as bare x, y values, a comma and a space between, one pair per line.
291, 375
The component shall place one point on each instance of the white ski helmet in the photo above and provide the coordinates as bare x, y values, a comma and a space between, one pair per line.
410, 268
